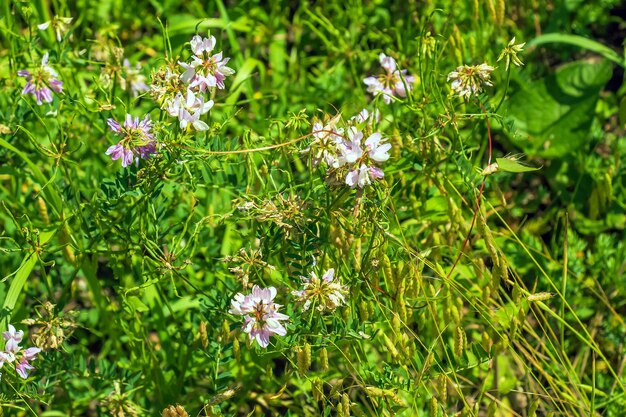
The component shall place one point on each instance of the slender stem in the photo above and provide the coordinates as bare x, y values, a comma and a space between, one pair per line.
480, 194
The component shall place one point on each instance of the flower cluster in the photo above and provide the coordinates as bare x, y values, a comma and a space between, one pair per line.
509, 54
186, 95
326, 293
206, 70
469, 80
13, 352
357, 155
261, 316
134, 80
137, 140
392, 82
59, 24
41, 82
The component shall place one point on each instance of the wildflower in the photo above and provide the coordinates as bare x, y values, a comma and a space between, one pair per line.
136, 140
509, 53
325, 144
392, 82
469, 80
134, 80
14, 353
41, 81
364, 160
24, 367
261, 316
13, 338
59, 24
189, 109
166, 85
326, 293
205, 70
365, 116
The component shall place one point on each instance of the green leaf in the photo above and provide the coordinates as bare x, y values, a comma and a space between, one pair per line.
136, 304
553, 116
17, 284
580, 42
512, 165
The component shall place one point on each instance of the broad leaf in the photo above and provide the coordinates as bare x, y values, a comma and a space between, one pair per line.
552, 116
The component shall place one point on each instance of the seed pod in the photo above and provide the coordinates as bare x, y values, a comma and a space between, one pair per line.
357, 411
336, 388
486, 342
459, 342
225, 332
540, 296
442, 388
516, 294
396, 326
492, 11
432, 406
202, 334
428, 362
43, 210
64, 238
304, 359
400, 306
357, 254
317, 389
347, 311
236, 349
391, 347
388, 271
324, 359
514, 328
345, 405
364, 311
500, 10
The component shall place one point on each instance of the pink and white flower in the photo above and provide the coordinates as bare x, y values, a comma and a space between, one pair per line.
189, 109
41, 82
13, 338
137, 140
133, 80
363, 157
365, 116
206, 70
261, 316
392, 82
327, 137
14, 353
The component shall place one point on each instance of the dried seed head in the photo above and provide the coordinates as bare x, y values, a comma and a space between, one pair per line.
202, 335
175, 411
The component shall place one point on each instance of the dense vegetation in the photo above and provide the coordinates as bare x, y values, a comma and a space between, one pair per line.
300, 209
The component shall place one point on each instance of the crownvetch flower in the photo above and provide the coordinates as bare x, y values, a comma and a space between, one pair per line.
189, 109
392, 82
469, 80
326, 294
41, 82
261, 316
14, 354
206, 70
137, 140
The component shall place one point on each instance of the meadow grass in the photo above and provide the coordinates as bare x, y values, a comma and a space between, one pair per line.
257, 248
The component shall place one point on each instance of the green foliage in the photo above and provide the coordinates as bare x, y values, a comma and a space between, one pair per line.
467, 281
